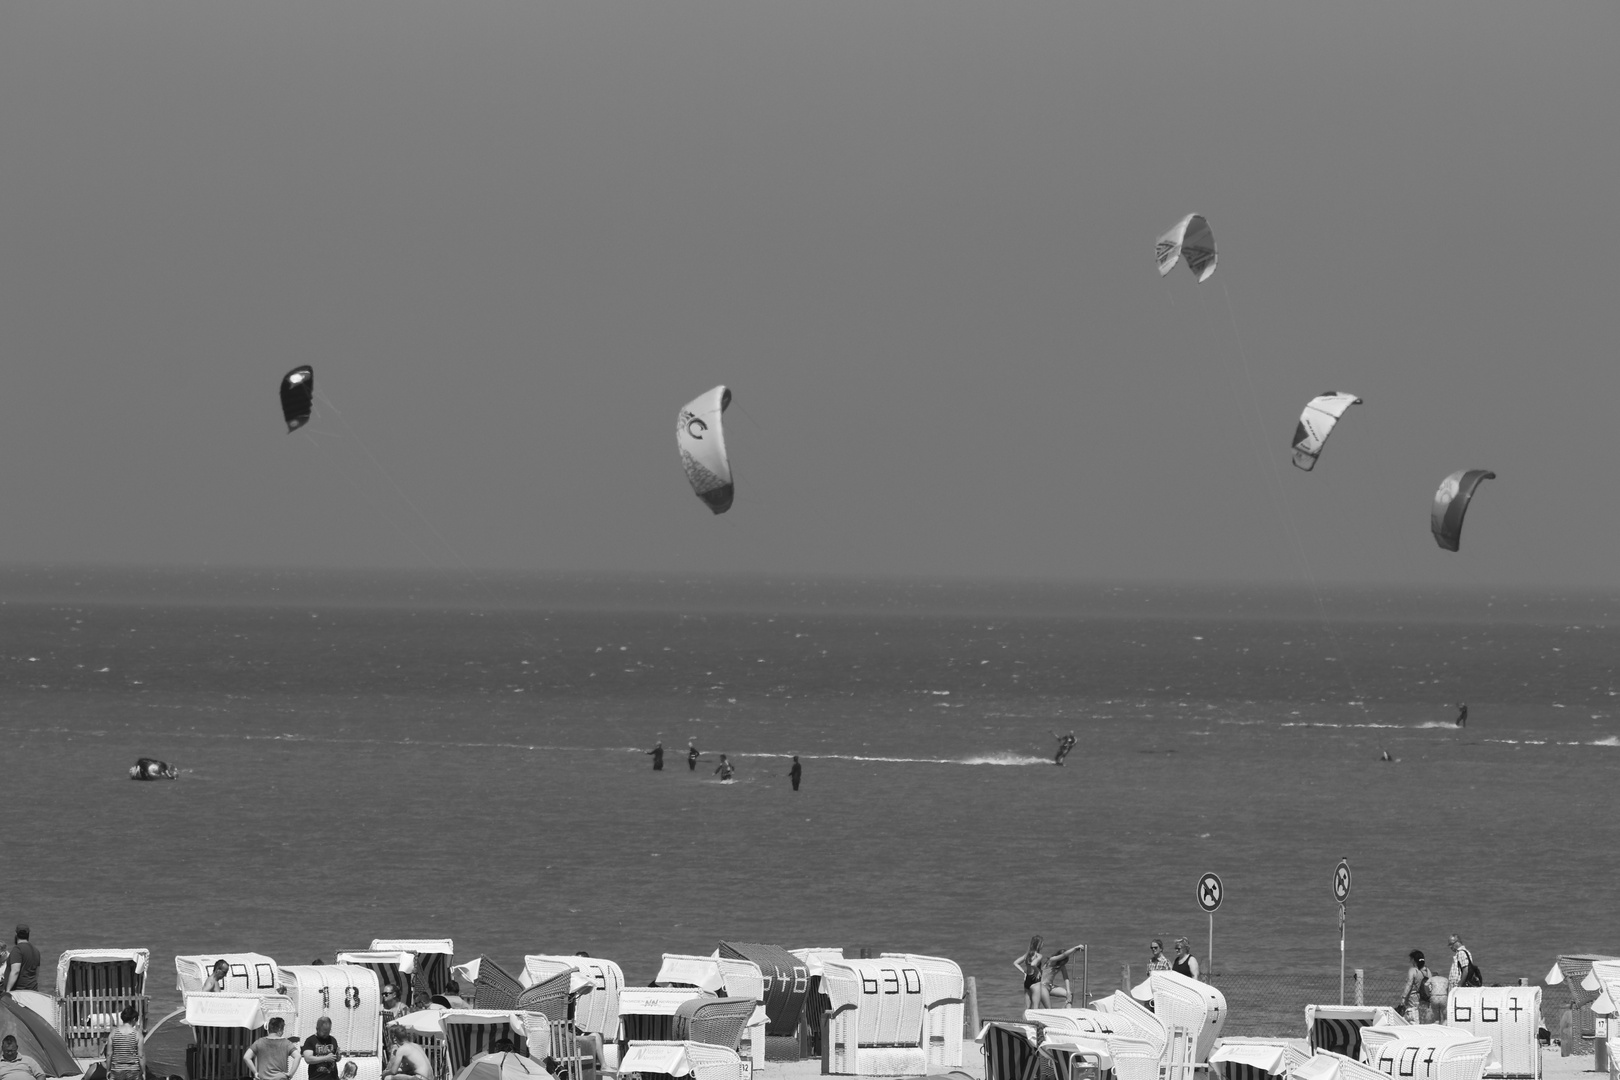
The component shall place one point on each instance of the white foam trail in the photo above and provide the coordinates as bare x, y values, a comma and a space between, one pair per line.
1612, 740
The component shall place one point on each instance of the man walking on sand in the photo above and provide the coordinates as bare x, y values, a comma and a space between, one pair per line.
22, 970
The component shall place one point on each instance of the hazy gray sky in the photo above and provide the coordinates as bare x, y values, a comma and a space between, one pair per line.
916, 238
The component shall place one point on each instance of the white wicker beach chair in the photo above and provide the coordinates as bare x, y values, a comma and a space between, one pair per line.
92, 987
700, 1061
1510, 1017
1427, 1052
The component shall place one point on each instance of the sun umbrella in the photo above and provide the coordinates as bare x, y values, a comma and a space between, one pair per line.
503, 1067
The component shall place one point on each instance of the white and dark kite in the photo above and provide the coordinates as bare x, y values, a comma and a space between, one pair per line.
297, 396
702, 443
1451, 503
1316, 423
1189, 237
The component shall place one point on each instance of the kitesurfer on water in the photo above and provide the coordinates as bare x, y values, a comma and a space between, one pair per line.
1065, 744
657, 753
1462, 715
152, 769
691, 756
724, 768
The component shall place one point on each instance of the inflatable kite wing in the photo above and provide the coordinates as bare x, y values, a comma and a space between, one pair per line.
1451, 503
297, 396
1190, 237
1316, 423
702, 443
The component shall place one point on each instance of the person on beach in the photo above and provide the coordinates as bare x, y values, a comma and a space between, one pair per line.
1032, 965
270, 1058
15, 1065
22, 966
1065, 744
392, 1007
1057, 977
691, 756
1463, 971
724, 768
1414, 1000
452, 994
123, 1055
1462, 715
1185, 963
795, 772
408, 1058
657, 753
217, 977
1157, 961
321, 1052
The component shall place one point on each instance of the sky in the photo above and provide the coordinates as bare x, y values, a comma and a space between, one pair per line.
915, 239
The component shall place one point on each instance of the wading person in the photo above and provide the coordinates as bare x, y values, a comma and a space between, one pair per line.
657, 753
724, 768
795, 772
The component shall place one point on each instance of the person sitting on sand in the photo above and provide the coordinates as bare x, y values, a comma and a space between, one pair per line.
1065, 744
15, 1065
724, 768
408, 1057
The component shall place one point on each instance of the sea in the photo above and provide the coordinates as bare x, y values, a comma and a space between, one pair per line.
465, 755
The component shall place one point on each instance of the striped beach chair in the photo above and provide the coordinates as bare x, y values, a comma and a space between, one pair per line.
93, 986
487, 985
1012, 1051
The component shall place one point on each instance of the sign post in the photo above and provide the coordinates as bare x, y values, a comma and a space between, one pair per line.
1341, 893
1209, 898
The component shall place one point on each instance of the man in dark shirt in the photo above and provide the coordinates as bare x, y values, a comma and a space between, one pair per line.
321, 1051
657, 753
22, 970
796, 772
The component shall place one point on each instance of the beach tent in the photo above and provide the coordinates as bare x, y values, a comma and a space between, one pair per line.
1510, 1016
1337, 1028
1193, 1014
486, 985
1076, 1058
1426, 1051
875, 1025
250, 973
223, 1025
596, 1012
347, 994
37, 1039
1570, 971
1326, 1065
1256, 1059
700, 1061
92, 987
785, 980
943, 987
471, 1032
433, 958
503, 1067
1128, 1010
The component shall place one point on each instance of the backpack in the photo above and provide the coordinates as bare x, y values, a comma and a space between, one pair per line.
1426, 987
1472, 976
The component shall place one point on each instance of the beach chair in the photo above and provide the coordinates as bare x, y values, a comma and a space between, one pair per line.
714, 1021
350, 996
1075, 1058
433, 958
943, 986
815, 1001
1337, 1028
392, 968
1426, 1052
596, 1012
666, 1060
223, 1025
1012, 1051
1256, 1059
550, 995
1127, 1010
1571, 971
1193, 1014
93, 986
731, 976
647, 1013
250, 973
875, 1025
486, 985
580, 1055
470, 1032
1326, 1065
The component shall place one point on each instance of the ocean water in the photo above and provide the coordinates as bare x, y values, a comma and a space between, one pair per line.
365, 757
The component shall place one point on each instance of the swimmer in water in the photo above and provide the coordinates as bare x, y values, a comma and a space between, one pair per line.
657, 753
724, 768
1462, 715
1065, 744
691, 756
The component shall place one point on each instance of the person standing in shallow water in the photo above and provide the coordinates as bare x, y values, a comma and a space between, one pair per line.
724, 768
691, 756
1462, 715
657, 753
795, 772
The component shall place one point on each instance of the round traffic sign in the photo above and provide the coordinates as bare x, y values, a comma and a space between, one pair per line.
1341, 881
1209, 892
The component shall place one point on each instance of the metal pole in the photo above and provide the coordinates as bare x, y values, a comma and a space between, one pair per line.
1209, 976
1341, 954
1085, 978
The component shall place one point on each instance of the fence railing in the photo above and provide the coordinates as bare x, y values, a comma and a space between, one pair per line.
85, 1019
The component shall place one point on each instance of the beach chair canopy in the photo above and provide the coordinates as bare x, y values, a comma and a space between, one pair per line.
1326, 1065
1427, 1051
786, 980
1337, 1028
249, 972
102, 971
230, 1010
1128, 1010
350, 995
37, 1039
1243, 1058
700, 972
1184, 1004
487, 985
433, 958
1064, 1047
656, 1000
422, 1022
471, 1032
550, 996
697, 1060
597, 1011
1080, 1021
813, 957
502, 1067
